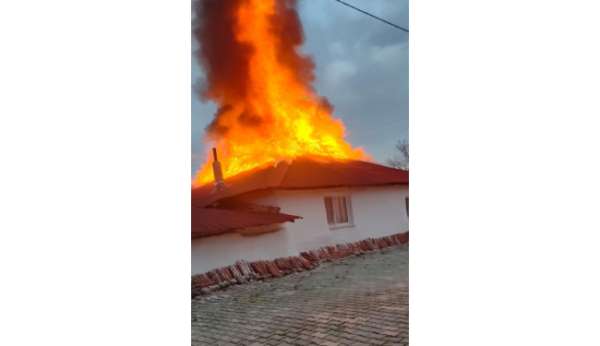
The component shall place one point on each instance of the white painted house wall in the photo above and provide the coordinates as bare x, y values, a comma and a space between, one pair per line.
377, 211
223, 250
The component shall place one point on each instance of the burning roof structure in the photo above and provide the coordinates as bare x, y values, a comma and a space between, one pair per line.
262, 83
301, 173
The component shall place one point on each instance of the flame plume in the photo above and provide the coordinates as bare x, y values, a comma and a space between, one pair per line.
268, 110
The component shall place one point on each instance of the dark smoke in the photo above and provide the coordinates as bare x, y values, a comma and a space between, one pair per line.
226, 61
288, 29
216, 128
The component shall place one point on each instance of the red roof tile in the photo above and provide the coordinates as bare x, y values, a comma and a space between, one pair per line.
302, 173
212, 221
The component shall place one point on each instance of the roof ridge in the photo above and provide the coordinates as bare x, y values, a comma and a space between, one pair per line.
306, 173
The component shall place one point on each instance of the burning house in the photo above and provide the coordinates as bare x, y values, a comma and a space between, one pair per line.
293, 206
286, 180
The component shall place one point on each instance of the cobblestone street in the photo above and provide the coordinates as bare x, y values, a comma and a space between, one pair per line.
361, 300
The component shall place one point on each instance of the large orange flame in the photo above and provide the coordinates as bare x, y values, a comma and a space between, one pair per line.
277, 115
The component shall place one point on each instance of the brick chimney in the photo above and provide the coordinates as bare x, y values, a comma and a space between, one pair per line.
217, 172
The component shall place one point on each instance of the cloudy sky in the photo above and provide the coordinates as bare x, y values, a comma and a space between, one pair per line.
362, 68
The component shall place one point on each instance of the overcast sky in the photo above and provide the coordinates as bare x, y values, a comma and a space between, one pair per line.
362, 68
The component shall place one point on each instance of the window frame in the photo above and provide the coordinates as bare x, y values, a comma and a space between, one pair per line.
336, 210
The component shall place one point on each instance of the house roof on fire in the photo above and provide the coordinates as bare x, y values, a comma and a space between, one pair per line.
302, 173
211, 221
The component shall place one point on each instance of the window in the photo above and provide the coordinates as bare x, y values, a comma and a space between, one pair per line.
406, 204
339, 211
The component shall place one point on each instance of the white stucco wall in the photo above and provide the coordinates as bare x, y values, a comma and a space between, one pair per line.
223, 250
377, 212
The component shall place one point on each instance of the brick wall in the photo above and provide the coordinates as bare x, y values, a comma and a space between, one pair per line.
243, 271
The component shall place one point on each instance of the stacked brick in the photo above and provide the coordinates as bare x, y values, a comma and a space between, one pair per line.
243, 271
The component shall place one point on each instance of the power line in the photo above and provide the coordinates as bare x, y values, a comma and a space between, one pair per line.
372, 15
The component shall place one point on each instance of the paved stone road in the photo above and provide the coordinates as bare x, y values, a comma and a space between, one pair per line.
358, 301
